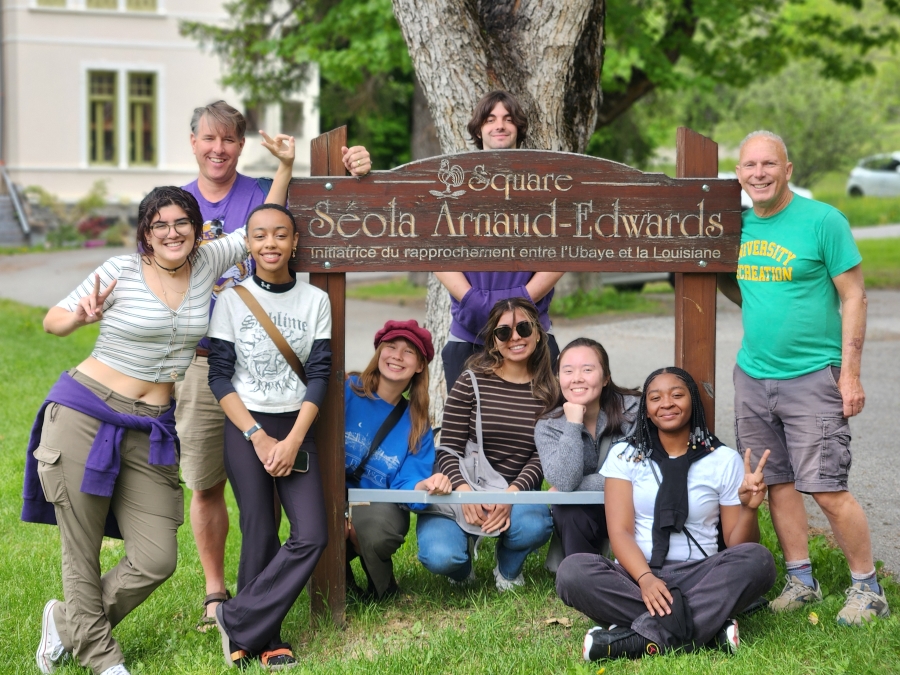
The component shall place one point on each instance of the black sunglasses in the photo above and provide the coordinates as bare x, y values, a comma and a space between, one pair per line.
523, 328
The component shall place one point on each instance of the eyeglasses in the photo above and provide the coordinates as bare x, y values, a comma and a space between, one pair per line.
161, 229
523, 328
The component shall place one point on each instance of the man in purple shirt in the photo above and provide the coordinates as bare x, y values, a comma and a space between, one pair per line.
226, 198
497, 123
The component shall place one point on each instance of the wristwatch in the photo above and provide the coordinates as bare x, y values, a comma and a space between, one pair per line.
252, 430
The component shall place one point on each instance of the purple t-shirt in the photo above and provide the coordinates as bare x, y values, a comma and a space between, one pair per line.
223, 217
471, 313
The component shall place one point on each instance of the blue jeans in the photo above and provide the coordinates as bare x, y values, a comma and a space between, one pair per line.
444, 547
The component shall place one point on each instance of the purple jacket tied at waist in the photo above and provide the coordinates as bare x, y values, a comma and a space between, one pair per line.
470, 314
102, 466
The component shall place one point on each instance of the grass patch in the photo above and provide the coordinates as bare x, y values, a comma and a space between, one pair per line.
881, 262
604, 301
398, 290
432, 628
864, 211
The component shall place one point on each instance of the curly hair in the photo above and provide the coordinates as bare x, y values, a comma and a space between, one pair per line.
159, 198
641, 441
483, 110
418, 394
544, 385
612, 396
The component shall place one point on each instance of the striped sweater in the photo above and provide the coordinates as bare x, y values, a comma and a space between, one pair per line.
508, 413
140, 335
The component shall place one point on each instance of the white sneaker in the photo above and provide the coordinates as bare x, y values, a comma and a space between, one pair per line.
504, 584
50, 652
118, 669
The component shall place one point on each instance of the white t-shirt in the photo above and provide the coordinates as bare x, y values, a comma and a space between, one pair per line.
712, 482
262, 378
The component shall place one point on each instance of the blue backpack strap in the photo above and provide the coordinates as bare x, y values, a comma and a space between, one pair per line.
265, 184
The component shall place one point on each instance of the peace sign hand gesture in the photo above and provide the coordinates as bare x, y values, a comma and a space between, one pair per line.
90, 307
753, 488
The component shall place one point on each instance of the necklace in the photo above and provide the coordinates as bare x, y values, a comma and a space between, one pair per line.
170, 270
174, 313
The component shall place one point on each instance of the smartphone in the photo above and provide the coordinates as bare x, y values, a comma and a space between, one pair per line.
301, 462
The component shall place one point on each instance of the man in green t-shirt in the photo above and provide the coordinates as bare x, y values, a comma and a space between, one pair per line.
800, 285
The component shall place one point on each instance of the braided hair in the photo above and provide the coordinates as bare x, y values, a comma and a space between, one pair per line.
640, 441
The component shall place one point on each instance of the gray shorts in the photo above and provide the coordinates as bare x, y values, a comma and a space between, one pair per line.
801, 421
200, 422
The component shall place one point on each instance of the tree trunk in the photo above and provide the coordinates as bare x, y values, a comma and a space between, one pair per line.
547, 54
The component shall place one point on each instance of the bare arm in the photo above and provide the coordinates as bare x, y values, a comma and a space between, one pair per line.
282, 147
727, 283
620, 525
852, 289
542, 283
455, 282
60, 321
740, 523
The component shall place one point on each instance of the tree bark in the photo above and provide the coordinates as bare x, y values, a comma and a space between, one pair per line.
547, 54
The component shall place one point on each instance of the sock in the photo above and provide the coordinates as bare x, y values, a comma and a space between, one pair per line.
802, 569
866, 580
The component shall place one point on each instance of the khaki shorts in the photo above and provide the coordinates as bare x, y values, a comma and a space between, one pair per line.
801, 421
200, 423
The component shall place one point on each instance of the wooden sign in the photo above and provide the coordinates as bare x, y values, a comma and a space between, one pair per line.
516, 210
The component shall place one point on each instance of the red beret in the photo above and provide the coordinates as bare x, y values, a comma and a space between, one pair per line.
410, 331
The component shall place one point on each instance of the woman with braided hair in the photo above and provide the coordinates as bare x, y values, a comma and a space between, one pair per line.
668, 486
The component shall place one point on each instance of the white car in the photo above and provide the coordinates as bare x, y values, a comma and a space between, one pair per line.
876, 176
747, 203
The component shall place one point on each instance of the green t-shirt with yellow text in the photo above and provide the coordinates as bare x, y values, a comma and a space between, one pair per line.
791, 308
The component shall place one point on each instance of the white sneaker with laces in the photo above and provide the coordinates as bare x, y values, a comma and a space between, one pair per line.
504, 584
50, 652
118, 669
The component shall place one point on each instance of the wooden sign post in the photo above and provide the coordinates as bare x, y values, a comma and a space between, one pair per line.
505, 210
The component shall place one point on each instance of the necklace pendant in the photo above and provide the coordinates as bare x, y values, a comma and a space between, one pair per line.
174, 375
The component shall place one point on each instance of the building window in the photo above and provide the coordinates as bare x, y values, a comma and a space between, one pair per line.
141, 118
102, 117
102, 4
51, 3
105, 5
140, 5
292, 118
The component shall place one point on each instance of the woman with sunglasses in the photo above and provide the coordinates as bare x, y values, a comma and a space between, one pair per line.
668, 488
515, 383
574, 437
103, 448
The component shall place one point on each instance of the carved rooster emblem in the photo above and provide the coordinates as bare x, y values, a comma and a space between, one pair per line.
451, 177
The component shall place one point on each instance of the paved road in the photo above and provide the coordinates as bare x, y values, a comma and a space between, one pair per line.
636, 347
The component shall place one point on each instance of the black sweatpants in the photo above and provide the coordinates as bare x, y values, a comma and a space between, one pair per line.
271, 576
581, 527
715, 588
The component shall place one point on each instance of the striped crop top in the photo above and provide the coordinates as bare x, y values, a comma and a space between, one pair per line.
140, 335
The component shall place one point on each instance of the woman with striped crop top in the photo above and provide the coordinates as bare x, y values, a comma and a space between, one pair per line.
103, 447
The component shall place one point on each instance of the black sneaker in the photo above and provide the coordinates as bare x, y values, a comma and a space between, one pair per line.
617, 642
727, 639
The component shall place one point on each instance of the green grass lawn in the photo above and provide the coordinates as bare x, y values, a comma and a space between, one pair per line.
432, 628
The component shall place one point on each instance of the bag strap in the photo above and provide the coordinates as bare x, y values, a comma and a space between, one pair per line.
389, 423
289, 355
478, 434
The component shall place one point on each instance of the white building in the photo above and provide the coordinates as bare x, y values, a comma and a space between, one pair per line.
104, 89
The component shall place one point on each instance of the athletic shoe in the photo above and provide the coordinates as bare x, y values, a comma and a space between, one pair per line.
504, 584
795, 595
50, 652
617, 642
862, 605
727, 639
118, 669
468, 581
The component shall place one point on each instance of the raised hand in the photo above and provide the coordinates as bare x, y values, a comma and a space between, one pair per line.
356, 160
753, 488
90, 307
281, 147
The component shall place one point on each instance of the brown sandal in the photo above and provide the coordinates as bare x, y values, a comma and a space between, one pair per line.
278, 659
207, 622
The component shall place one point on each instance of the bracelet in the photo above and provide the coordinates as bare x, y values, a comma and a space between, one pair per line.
643, 575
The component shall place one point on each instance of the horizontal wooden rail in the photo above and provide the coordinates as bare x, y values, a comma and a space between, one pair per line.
359, 496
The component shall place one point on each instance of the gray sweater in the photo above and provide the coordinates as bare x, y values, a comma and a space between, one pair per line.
570, 457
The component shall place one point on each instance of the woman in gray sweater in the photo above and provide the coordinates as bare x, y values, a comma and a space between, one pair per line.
574, 436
